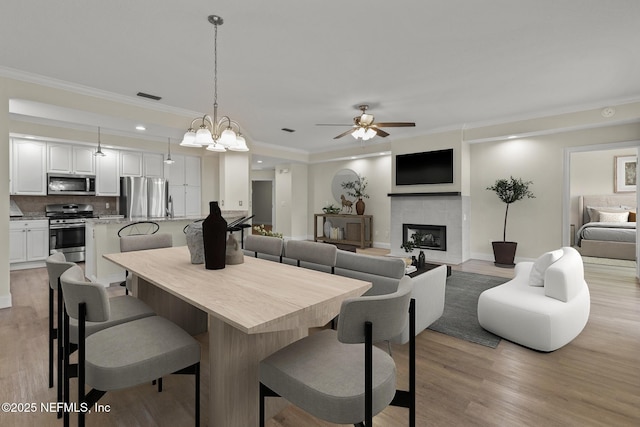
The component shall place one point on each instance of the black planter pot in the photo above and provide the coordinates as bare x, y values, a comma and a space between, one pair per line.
504, 253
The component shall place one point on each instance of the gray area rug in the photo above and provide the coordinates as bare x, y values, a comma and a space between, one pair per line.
460, 317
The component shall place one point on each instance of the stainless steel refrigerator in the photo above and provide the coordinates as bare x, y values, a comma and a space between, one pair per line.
142, 197
157, 193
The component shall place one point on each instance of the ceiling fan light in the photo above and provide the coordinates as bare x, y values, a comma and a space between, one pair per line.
240, 145
370, 133
359, 133
218, 148
203, 137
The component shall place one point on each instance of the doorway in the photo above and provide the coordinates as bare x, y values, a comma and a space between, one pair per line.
591, 181
262, 203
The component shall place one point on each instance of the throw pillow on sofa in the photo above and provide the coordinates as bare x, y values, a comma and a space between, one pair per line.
536, 277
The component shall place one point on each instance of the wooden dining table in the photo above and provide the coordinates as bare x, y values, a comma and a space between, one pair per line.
253, 309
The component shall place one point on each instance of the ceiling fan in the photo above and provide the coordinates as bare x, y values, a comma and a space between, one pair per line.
364, 127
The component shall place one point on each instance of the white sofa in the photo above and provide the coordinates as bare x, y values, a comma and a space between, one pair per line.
544, 307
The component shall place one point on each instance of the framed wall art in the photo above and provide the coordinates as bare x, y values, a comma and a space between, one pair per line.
625, 174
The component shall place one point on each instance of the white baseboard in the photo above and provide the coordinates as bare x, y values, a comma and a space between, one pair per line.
489, 257
27, 265
5, 301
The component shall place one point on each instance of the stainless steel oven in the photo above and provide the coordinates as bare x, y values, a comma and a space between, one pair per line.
67, 229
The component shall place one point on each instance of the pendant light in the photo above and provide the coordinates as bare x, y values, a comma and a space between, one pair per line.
99, 152
216, 134
169, 160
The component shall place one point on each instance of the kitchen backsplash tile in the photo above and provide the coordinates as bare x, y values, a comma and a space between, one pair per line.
33, 205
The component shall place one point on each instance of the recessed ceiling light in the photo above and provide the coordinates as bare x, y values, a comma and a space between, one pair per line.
512, 136
140, 127
259, 161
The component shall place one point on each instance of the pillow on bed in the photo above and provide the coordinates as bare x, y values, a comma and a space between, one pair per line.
614, 216
536, 277
594, 212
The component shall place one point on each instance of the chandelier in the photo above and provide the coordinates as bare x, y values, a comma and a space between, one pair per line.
217, 134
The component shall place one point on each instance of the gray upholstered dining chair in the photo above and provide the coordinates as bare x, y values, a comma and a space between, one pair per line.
124, 355
315, 255
267, 247
340, 376
123, 309
139, 242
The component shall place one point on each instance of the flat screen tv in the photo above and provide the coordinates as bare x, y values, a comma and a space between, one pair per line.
430, 167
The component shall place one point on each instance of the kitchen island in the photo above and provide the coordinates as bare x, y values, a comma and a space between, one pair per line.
102, 238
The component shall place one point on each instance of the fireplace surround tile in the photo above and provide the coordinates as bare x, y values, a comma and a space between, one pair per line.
451, 211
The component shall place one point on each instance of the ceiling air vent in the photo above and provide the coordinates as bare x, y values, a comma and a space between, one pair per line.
288, 130
146, 95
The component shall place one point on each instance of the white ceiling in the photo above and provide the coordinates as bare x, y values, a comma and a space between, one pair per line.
293, 64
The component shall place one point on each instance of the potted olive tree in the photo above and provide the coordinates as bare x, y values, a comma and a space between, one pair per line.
509, 191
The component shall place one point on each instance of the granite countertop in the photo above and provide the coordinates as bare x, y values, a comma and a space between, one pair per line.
118, 220
29, 217
228, 215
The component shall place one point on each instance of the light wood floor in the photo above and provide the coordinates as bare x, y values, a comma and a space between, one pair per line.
593, 381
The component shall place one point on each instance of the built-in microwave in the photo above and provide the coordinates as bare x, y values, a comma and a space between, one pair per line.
71, 184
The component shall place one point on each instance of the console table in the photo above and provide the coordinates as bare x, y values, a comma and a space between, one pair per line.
358, 230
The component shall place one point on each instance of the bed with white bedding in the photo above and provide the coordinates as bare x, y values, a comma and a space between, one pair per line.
608, 228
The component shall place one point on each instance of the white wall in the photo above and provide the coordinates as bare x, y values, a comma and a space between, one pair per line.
234, 180
300, 215
5, 295
283, 187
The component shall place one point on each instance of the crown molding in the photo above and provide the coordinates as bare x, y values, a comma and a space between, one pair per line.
38, 79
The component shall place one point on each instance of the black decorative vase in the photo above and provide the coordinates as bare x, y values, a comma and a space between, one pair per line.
421, 259
414, 261
214, 238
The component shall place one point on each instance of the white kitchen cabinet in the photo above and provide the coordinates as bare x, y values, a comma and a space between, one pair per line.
184, 185
28, 243
107, 177
83, 160
29, 167
68, 158
153, 165
130, 163
192, 200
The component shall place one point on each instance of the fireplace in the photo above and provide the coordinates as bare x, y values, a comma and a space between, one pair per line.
432, 237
